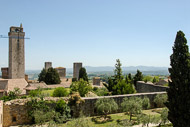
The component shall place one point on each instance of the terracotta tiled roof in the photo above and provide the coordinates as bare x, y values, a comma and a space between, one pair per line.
34, 86
10, 84
59, 68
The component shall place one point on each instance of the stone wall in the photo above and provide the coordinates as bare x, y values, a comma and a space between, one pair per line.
89, 105
16, 113
143, 87
76, 69
1, 113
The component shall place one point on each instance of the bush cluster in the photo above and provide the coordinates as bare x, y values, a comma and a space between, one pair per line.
49, 76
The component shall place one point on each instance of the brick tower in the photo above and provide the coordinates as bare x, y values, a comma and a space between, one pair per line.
16, 53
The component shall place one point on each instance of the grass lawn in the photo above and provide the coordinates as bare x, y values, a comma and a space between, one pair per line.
115, 117
50, 91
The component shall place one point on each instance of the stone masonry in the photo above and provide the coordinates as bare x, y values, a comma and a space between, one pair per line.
15, 112
5, 72
76, 69
96, 81
61, 71
48, 65
143, 87
16, 53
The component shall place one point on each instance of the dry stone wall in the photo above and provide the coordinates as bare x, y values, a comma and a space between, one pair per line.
15, 112
143, 87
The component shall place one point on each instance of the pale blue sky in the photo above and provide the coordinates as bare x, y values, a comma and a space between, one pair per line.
95, 32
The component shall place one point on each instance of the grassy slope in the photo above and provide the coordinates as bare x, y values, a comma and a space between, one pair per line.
115, 117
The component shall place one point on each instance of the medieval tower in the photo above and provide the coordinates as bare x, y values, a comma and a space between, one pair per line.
76, 69
16, 53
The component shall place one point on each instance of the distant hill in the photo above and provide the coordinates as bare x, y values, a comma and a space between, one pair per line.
130, 68
146, 70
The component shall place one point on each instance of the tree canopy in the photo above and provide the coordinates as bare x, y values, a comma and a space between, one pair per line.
82, 74
50, 76
118, 71
138, 77
106, 105
81, 86
179, 89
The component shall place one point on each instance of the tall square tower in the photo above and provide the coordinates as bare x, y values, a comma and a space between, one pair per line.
76, 69
16, 53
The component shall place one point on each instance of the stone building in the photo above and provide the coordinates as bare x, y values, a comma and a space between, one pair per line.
48, 65
61, 71
163, 82
5, 72
35, 86
16, 53
14, 75
7, 85
76, 68
96, 81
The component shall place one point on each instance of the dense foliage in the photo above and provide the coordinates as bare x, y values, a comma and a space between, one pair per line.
101, 91
106, 106
138, 77
145, 103
42, 111
160, 100
123, 88
82, 74
12, 95
42, 75
49, 77
60, 92
179, 89
81, 86
132, 105
118, 85
118, 71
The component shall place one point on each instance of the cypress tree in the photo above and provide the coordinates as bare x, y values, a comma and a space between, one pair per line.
118, 71
179, 88
82, 74
138, 77
129, 76
52, 76
42, 75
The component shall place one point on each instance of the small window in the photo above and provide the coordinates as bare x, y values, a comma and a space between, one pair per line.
14, 119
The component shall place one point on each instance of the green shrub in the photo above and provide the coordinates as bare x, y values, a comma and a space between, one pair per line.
90, 94
164, 116
145, 103
74, 79
147, 119
101, 91
79, 122
60, 92
106, 106
81, 86
123, 88
50, 76
34, 105
132, 105
41, 117
42, 111
63, 109
35, 93
75, 101
12, 95
160, 99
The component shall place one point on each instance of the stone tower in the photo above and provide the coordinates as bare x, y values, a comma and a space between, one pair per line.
16, 53
48, 65
76, 68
